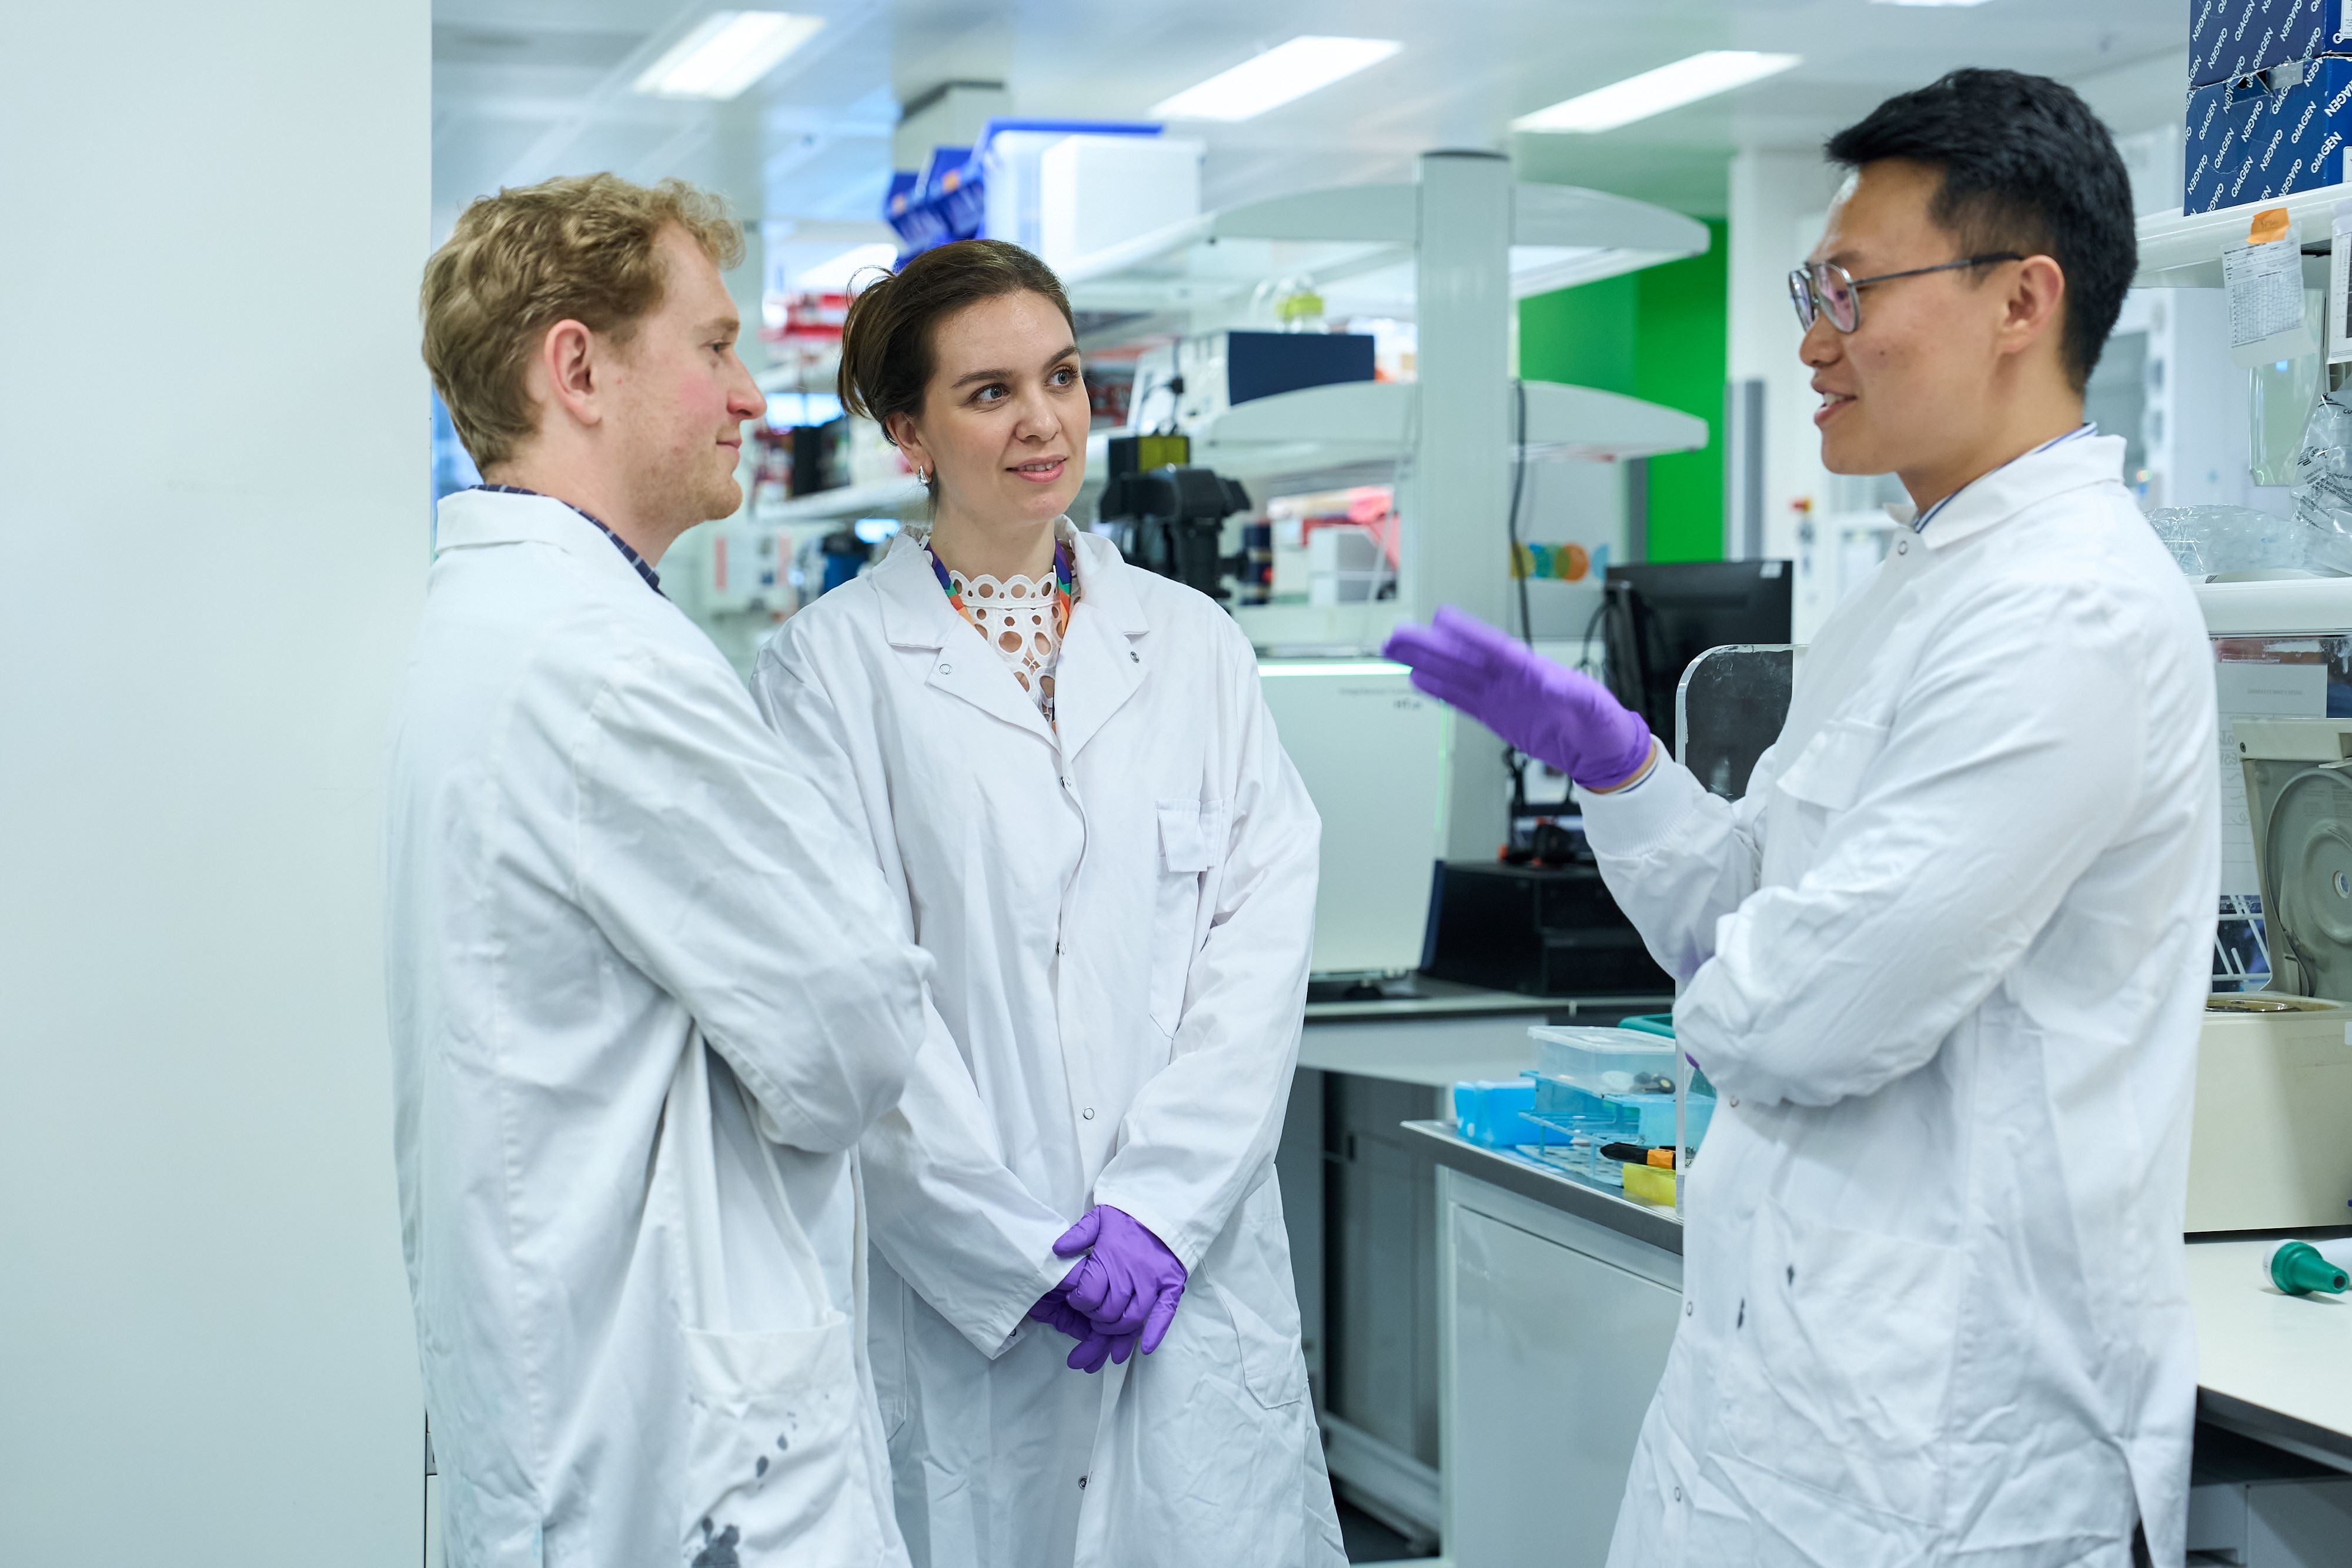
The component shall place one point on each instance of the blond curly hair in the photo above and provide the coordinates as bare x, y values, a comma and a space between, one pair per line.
581, 248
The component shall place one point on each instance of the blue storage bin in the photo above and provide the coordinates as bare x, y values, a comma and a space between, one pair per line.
1493, 1114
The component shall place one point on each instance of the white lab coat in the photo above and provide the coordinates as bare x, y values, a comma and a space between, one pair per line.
1946, 964
1121, 913
594, 851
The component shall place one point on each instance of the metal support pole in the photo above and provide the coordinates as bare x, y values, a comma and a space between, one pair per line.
1456, 539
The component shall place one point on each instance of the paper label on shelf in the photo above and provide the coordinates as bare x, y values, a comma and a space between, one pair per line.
2264, 284
2339, 287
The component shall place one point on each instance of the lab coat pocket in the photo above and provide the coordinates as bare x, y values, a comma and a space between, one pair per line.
1190, 832
774, 1465
1828, 773
1837, 1365
1252, 1281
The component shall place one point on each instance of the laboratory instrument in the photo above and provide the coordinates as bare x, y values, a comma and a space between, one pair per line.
2268, 1147
1372, 753
1167, 517
1546, 930
1660, 616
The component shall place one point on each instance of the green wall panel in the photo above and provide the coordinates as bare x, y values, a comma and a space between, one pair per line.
1660, 335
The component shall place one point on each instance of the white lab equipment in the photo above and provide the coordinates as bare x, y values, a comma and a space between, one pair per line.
2268, 1148
1372, 753
1096, 193
1346, 564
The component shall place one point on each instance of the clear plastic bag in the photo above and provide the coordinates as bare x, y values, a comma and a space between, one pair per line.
2228, 541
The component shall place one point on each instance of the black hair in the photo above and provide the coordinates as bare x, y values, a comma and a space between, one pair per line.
2026, 167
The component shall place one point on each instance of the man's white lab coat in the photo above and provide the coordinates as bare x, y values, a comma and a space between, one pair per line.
1946, 964
597, 854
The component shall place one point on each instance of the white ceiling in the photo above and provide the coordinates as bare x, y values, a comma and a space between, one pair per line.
527, 89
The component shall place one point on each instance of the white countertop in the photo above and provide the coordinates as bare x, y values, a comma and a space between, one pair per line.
2260, 1351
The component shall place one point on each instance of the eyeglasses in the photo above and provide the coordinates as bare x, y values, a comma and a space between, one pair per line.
1822, 288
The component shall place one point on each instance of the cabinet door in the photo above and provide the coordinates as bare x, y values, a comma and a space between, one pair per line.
1556, 1355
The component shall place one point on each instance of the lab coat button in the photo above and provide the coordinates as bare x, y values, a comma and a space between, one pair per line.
1678, 1492
1902, 547
1133, 657
1735, 1101
1088, 1112
1082, 1483
1690, 1307
946, 669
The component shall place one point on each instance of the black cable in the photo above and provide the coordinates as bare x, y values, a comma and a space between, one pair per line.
1584, 652
1512, 760
1511, 517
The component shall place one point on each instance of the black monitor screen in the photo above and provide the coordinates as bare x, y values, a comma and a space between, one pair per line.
1664, 614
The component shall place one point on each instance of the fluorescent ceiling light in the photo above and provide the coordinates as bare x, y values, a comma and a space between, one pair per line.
1655, 92
1284, 72
728, 52
834, 276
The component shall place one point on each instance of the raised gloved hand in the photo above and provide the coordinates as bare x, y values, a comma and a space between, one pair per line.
1128, 1283
1095, 1348
1553, 713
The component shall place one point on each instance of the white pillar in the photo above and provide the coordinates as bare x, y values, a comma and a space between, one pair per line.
1778, 199
1456, 536
214, 490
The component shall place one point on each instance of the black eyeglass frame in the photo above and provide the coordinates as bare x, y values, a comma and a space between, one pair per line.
1805, 294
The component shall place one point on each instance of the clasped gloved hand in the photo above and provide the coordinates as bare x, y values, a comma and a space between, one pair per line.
1120, 1297
1553, 713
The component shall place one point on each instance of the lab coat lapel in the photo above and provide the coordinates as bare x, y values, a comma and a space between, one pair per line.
1101, 665
915, 615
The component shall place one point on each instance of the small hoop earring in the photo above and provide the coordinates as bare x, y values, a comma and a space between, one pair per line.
922, 476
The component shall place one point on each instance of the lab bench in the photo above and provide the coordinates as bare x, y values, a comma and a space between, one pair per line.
1362, 1197
1555, 1305
1557, 1302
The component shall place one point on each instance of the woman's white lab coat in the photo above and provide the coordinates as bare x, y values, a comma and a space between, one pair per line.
1121, 913
1946, 964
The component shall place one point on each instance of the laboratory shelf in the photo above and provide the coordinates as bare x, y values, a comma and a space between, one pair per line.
1354, 245
2178, 250
901, 497
1368, 421
883, 498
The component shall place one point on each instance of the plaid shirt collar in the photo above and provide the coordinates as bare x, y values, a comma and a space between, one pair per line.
653, 580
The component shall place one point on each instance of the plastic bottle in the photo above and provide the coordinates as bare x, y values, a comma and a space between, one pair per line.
2299, 1267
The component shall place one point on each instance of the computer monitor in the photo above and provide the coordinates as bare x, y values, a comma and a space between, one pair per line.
1661, 615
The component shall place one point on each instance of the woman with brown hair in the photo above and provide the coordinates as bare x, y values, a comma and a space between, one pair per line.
1073, 783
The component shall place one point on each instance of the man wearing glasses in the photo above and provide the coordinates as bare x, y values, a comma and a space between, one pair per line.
1945, 962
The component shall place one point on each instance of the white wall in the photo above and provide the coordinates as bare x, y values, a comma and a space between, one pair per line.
212, 437
1776, 202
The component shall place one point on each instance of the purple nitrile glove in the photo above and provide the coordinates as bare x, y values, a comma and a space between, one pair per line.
1555, 714
1130, 1282
1094, 1347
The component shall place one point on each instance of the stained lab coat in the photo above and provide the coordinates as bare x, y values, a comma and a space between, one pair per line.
1946, 964
1121, 911
595, 850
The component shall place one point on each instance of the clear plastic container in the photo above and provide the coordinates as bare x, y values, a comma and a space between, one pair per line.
1599, 1086
1605, 1061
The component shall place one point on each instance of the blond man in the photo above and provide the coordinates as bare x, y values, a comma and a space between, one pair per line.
643, 1002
